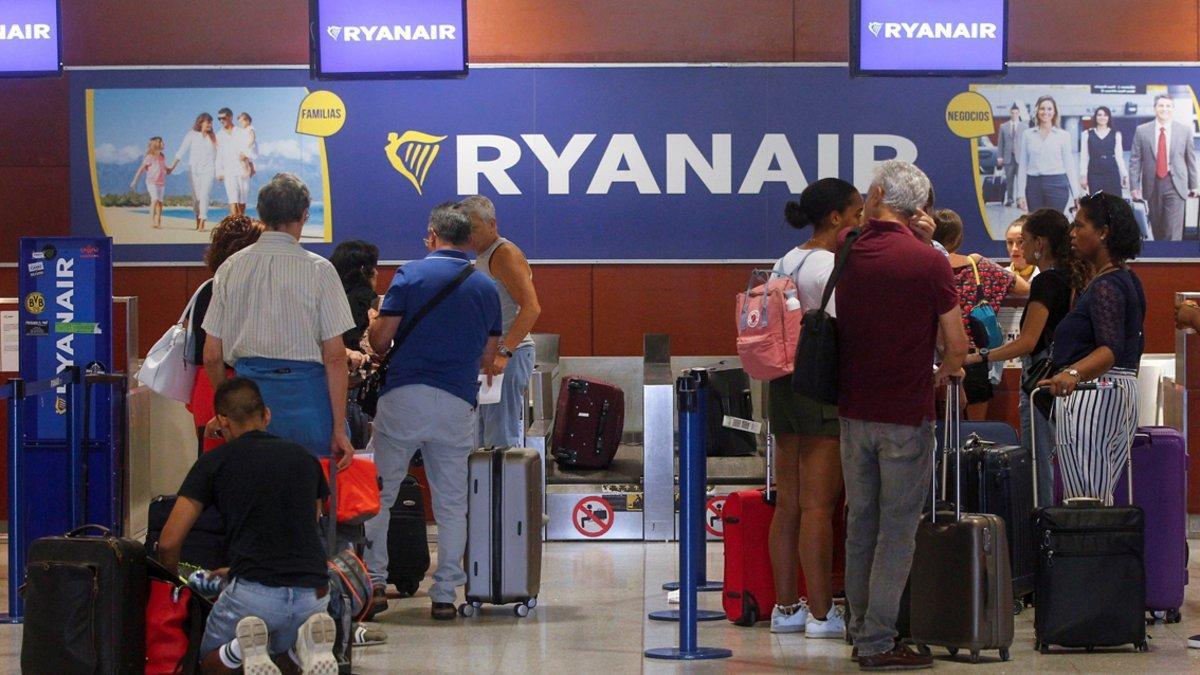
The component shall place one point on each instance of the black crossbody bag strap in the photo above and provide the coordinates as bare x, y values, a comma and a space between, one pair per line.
843, 254
407, 326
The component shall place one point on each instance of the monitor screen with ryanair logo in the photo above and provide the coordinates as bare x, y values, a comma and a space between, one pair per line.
29, 40
388, 38
928, 37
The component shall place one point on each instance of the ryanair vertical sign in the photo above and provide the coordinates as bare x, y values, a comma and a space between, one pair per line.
65, 320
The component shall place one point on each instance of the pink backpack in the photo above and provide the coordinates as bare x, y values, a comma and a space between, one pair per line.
768, 332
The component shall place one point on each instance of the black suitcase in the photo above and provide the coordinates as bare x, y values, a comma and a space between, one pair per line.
728, 395
85, 604
994, 188
205, 545
1091, 581
998, 479
408, 543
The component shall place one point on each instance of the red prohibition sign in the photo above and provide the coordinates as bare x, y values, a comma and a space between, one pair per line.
712, 516
593, 517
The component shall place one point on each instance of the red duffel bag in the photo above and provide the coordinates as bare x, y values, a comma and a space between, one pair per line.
357, 491
175, 618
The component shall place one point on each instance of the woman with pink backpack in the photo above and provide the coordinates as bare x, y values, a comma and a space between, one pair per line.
808, 460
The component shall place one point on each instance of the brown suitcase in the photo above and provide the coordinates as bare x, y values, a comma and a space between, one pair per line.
961, 581
588, 422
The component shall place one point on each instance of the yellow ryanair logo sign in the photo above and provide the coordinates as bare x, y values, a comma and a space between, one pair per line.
412, 153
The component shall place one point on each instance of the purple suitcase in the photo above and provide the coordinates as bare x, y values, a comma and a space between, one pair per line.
1160, 463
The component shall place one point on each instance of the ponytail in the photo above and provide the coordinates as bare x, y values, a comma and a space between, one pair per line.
817, 201
1052, 225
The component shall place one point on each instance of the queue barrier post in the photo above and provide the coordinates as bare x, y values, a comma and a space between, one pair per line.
691, 524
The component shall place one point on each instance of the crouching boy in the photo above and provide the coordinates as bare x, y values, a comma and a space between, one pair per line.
271, 618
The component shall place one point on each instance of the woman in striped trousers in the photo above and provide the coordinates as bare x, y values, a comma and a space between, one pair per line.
1099, 340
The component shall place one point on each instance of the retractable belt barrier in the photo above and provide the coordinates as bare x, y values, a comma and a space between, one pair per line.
692, 542
76, 398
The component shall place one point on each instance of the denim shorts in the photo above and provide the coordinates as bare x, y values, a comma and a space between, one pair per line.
284, 609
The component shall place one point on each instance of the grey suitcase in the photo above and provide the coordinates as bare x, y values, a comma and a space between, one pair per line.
504, 529
961, 581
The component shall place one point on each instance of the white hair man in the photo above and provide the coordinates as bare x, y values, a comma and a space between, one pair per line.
501, 260
886, 401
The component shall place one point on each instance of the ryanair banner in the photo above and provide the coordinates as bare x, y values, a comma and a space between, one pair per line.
620, 163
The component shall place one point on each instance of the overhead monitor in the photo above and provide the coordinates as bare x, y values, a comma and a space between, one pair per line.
369, 39
928, 37
29, 38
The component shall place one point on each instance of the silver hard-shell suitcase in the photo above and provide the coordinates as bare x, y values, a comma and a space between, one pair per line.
504, 529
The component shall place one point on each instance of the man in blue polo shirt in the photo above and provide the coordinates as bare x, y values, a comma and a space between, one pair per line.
430, 394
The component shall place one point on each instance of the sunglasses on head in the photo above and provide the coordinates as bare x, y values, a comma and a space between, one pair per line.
1094, 198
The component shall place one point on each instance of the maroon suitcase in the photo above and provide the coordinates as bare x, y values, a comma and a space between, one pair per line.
588, 422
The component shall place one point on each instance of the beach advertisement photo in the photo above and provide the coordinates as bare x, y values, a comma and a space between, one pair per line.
168, 164
1054, 143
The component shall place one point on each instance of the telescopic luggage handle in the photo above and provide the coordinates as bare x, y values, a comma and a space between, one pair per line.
1033, 449
951, 437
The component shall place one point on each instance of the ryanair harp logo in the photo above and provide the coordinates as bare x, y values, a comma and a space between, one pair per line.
412, 153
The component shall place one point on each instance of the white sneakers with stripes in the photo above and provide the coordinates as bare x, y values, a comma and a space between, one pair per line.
313, 650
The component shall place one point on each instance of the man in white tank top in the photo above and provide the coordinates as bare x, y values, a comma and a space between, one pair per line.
503, 423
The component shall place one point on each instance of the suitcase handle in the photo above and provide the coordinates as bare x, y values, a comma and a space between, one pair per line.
79, 531
1033, 449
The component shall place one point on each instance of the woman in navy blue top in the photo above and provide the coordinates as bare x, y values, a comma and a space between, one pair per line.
1100, 339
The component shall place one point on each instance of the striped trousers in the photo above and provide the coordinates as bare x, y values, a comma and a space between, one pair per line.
1094, 433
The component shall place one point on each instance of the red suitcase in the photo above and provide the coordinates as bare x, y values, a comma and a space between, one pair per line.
749, 591
588, 422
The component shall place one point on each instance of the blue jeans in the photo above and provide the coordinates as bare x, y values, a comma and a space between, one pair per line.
284, 609
298, 396
503, 423
1045, 441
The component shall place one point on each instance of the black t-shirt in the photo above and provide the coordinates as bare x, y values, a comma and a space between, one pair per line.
201, 308
1053, 290
361, 299
267, 489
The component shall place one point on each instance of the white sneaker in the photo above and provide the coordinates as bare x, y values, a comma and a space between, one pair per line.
255, 643
1194, 642
834, 625
314, 645
790, 623
673, 597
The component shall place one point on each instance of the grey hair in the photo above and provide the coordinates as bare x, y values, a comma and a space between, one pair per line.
450, 224
283, 200
905, 187
478, 205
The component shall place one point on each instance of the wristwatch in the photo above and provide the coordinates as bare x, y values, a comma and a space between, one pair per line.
505, 352
983, 353
1073, 373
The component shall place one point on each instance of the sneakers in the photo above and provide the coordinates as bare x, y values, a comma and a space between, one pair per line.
673, 597
834, 625
365, 636
1194, 642
253, 640
790, 623
899, 658
443, 611
314, 646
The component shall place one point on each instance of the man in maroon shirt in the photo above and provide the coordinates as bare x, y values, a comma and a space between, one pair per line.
894, 297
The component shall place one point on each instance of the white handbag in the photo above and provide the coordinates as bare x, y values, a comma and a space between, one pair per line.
168, 367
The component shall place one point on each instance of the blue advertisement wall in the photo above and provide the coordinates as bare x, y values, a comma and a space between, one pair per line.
647, 163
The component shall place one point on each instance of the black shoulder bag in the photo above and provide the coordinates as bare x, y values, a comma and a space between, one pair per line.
369, 391
816, 368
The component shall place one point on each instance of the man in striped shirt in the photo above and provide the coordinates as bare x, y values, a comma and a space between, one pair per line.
277, 316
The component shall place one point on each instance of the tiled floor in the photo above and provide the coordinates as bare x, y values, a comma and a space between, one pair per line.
592, 619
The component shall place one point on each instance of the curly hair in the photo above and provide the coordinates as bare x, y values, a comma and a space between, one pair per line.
232, 235
1052, 225
1114, 215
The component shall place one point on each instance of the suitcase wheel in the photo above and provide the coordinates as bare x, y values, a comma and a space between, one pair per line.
466, 609
1142, 647
1173, 616
1018, 606
924, 650
521, 610
953, 651
975, 656
531, 603
1004, 653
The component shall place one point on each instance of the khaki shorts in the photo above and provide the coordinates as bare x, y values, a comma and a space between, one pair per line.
798, 415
